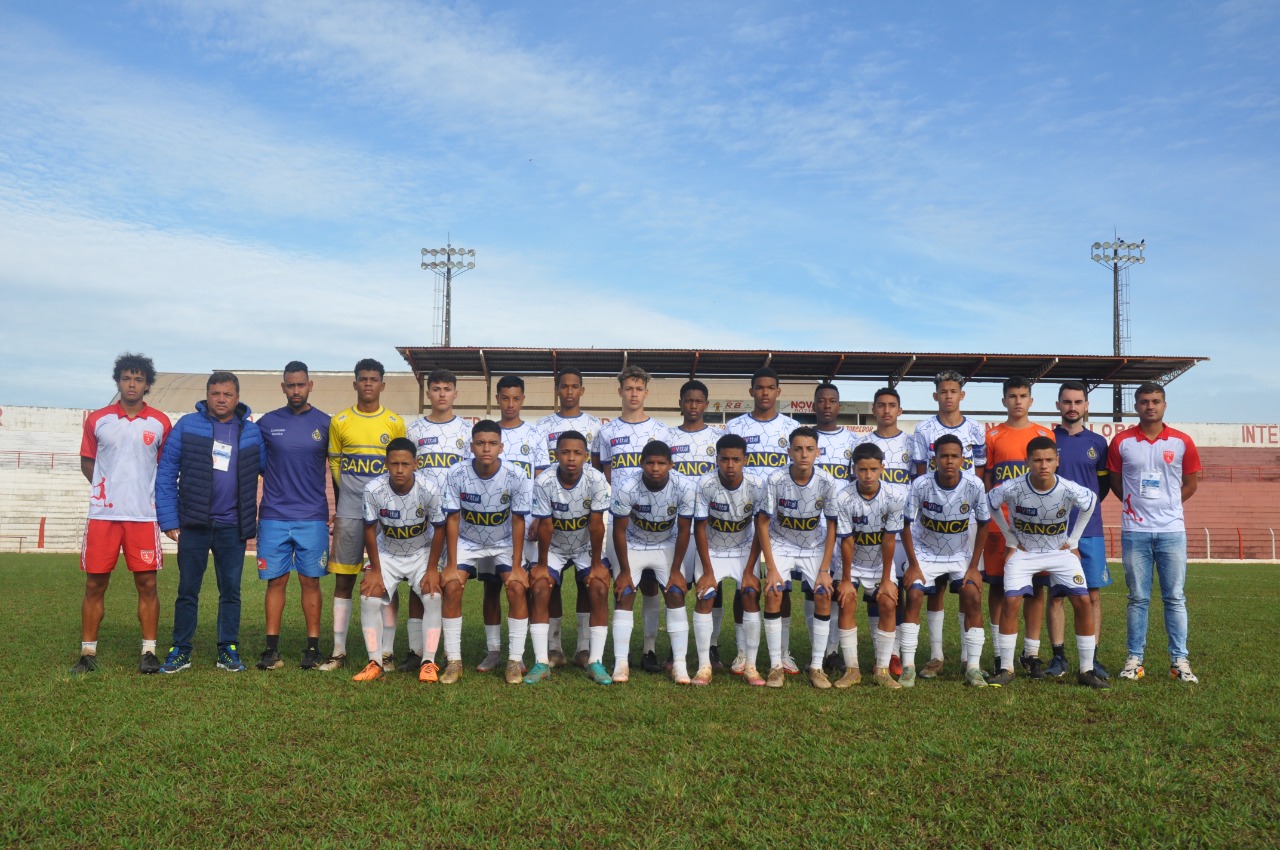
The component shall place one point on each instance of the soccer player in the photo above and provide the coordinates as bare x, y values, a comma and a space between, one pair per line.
766, 432
941, 506
870, 514
1154, 469
1035, 531
725, 502
652, 513
798, 545
948, 393
485, 502
1082, 458
293, 519
442, 440
358, 440
617, 454
569, 502
401, 508
570, 417
1007, 461
118, 455
835, 448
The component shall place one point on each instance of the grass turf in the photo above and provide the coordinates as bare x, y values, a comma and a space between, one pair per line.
293, 758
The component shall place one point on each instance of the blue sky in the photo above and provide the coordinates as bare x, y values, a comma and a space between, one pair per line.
234, 184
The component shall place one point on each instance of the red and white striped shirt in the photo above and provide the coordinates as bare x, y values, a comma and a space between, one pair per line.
1151, 473
125, 453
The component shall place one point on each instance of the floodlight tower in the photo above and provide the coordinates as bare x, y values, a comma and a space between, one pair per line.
447, 263
1119, 256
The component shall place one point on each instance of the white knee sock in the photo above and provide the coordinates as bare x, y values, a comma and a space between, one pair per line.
808, 619
910, 633
1006, 648
833, 634
935, 619
539, 634
849, 646
1086, 646
785, 625
388, 629
493, 637
371, 626
623, 623
773, 639
750, 646
717, 617
1030, 647
964, 644
651, 611
678, 634
452, 629
995, 640
739, 638
341, 623
516, 632
702, 626
597, 635
884, 647
974, 639
415, 635
821, 626
553, 634
584, 633
431, 626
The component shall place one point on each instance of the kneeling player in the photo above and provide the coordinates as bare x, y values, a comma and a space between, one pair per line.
941, 505
400, 511
796, 500
870, 513
651, 517
569, 501
724, 535
1040, 503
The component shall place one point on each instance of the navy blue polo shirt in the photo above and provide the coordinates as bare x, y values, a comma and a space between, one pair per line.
293, 483
1082, 458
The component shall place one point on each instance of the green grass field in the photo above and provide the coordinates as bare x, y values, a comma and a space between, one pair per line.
290, 758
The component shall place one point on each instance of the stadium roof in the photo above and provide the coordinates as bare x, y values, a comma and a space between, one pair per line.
1094, 370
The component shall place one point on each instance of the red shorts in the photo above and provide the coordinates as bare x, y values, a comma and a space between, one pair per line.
105, 538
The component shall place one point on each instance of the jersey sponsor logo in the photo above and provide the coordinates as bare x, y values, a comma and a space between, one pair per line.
569, 523
148, 437
488, 519
788, 503
895, 476
389, 513
718, 506
868, 538
1026, 511
945, 526
437, 460
768, 460
559, 506
403, 532
428, 441
679, 450
799, 523
629, 460
860, 520
643, 509
1009, 471
361, 465
620, 441
652, 525
694, 468
932, 506
470, 498
728, 526
840, 471
1046, 529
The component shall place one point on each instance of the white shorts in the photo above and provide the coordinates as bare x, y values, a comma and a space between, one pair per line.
952, 571
657, 561
398, 568
727, 567
557, 564
870, 580
899, 558
487, 564
1066, 576
801, 568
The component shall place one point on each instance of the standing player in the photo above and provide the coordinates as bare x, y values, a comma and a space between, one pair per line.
358, 440
570, 417
796, 526
835, 448
725, 503
442, 440
942, 505
1082, 458
401, 507
486, 501
1154, 469
119, 453
293, 518
870, 515
948, 393
766, 432
617, 453
569, 501
1039, 504
652, 513
1007, 461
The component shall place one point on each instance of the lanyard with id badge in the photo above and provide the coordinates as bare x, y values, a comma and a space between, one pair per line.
221, 454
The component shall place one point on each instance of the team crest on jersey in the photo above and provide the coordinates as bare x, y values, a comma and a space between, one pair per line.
315, 435
1062, 512
586, 504
324, 559
1092, 453
711, 450
524, 450
782, 442
817, 505
964, 507
384, 439
148, 437
671, 509
506, 497
458, 444
421, 513
1168, 457
905, 458
848, 454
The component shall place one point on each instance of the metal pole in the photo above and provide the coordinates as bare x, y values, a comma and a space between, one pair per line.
1117, 393
448, 305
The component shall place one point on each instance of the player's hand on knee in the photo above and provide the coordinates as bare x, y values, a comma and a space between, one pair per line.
847, 594
706, 587
371, 585
887, 595
517, 576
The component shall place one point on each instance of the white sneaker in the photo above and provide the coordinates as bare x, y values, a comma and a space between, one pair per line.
1133, 668
789, 665
491, 661
621, 672
680, 674
739, 664
1181, 670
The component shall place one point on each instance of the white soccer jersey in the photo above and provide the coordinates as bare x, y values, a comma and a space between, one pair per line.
1039, 520
767, 443
835, 448
620, 444
125, 453
653, 514
867, 521
973, 437
486, 504
553, 425
798, 514
730, 514
440, 445
898, 466
570, 509
524, 446
694, 452
404, 522
940, 517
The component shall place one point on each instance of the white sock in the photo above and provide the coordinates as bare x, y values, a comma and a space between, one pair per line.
884, 648
388, 629
702, 626
553, 634
821, 627
849, 646
341, 623
415, 635
516, 632
739, 638
964, 646
910, 633
650, 611
874, 622
808, 619
678, 634
493, 637
1030, 647
539, 635
147, 646
1005, 648
974, 639
1086, 646
431, 626
584, 633
750, 646
786, 636
935, 620
717, 617
623, 622
833, 635
773, 639
897, 642
452, 629
90, 647
371, 626
995, 641
597, 636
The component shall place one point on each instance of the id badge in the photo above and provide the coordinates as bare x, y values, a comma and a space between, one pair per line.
221, 456
1149, 484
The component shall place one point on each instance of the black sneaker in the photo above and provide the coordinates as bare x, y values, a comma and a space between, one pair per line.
1090, 679
148, 664
1034, 667
411, 663
86, 664
833, 664
310, 659
649, 663
715, 659
1000, 678
269, 660
1101, 672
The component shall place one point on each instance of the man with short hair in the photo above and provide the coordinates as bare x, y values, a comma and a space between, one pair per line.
119, 452
835, 448
1154, 469
293, 520
358, 440
207, 501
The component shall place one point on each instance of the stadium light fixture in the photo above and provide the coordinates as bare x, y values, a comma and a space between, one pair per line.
451, 263
1119, 256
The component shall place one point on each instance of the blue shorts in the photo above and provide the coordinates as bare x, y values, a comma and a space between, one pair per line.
287, 545
1093, 558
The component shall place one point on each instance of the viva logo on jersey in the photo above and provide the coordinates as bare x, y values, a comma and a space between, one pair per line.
1168, 456
148, 437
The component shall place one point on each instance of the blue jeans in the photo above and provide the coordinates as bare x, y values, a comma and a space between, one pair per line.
1164, 553
194, 546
